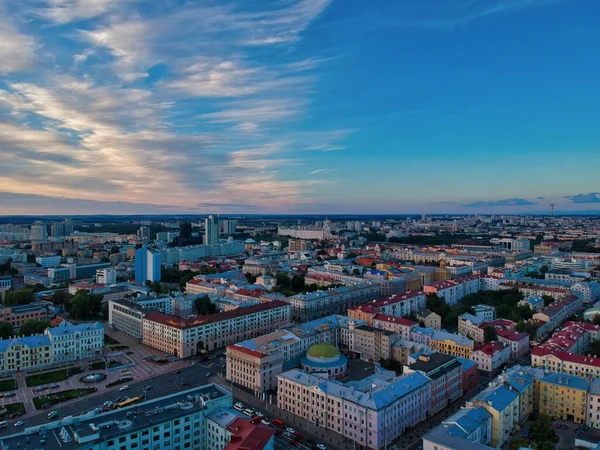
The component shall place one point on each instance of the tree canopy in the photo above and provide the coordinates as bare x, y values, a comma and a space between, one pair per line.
490, 334
84, 305
204, 306
6, 330
33, 326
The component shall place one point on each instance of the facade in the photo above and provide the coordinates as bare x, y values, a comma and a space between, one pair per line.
298, 245
491, 356
16, 315
451, 344
227, 429
147, 265
106, 276
176, 421
25, 353
430, 319
400, 305
535, 303
403, 327
485, 312
39, 233
310, 306
450, 291
563, 396
470, 326
48, 261
370, 343
468, 429
126, 316
518, 342
76, 342
197, 334
503, 405
593, 417
446, 377
373, 417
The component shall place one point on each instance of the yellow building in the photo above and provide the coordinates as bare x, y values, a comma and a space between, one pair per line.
451, 344
562, 396
25, 353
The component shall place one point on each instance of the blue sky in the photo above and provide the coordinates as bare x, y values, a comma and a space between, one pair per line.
299, 106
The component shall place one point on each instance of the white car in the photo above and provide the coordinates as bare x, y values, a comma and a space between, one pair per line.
265, 422
259, 414
321, 447
290, 430
124, 388
19, 423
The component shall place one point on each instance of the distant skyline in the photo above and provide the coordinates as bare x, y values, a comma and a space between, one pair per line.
299, 106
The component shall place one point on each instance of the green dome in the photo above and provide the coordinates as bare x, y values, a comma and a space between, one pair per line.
322, 351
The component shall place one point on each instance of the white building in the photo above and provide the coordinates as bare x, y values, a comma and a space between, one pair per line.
48, 261
106, 276
75, 342
39, 233
211, 230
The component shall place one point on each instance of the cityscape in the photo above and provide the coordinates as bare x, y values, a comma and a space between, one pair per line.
272, 332
299, 224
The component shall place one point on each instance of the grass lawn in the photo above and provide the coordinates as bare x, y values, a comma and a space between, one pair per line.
110, 341
119, 381
8, 385
53, 399
52, 377
12, 409
99, 365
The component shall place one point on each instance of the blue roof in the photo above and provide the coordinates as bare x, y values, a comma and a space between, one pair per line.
67, 328
31, 341
466, 363
499, 398
424, 330
565, 380
469, 419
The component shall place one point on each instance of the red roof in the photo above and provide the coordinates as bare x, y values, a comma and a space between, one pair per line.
375, 305
196, 321
578, 359
247, 351
393, 319
512, 335
246, 435
491, 348
248, 293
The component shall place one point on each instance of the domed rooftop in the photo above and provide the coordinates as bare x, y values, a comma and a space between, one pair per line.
322, 351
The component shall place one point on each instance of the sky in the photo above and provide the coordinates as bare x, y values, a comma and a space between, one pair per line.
299, 106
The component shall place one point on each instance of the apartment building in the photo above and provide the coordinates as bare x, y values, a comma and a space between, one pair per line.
485, 312
227, 429
16, 315
312, 305
403, 327
503, 405
176, 422
563, 396
255, 363
446, 376
197, 334
518, 342
534, 302
451, 291
371, 344
400, 305
470, 428
491, 356
470, 326
371, 416
593, 417
25, 353
555, 314
71, 342
430, 319
451, 344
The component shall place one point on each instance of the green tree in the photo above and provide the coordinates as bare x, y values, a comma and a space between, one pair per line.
114, 250
490, 334
547, 299
594, 348
185, 230
524, 312
6, 330
204, 306
596, 320
78, 305
251, 278
60, 297
20, 297
518, 443
32, 326
528, 327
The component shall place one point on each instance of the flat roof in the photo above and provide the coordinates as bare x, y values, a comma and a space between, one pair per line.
115, 423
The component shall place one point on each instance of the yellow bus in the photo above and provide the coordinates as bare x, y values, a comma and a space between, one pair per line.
129, 402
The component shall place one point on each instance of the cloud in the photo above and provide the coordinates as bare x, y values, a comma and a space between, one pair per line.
592, 197
65, 11
323, 171
228, 205
503, 202
540, 198
326, 147
17, 50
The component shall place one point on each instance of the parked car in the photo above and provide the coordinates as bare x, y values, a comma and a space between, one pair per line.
53, 414
290, 430
20, 423
265, 422
259, 414
248, 411
9, 394
53, 386
124, 388
149, 387
321, 447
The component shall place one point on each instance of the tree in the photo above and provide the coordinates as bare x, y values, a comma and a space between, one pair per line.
528, 327
19, 297
490, 334
204, 306
596, 320
114, 250
79, 305
547, 299
251, 278
594, 349
518, 443
185, 230
524, 312
32, 326
6, 330
60, 297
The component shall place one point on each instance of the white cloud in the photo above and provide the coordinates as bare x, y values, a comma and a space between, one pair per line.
323, 171
17, 50
66, 11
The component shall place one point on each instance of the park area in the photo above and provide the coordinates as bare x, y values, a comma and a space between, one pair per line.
51, 377
8, 385
47, 401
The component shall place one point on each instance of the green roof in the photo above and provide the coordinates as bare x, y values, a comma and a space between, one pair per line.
323, 351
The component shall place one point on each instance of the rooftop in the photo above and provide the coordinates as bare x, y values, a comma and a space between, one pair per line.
101, 427
322, 351
246, 435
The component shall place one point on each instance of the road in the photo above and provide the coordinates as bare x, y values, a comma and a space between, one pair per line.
162, 385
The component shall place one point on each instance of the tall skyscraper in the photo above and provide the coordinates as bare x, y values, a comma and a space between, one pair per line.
69, 226
143, 234
147, 265
57, 229
211, 230
229, 226
39, 233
